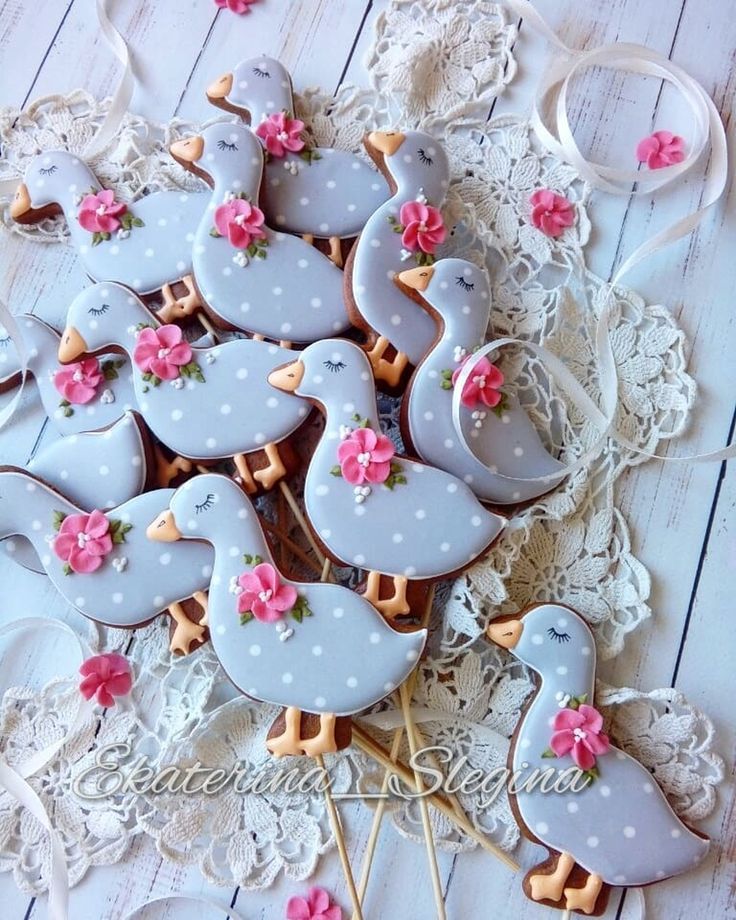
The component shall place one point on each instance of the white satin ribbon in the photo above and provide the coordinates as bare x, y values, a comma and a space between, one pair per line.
10, 324
189, 900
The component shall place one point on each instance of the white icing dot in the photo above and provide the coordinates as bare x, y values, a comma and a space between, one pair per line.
210, 442
158, 601
302, 263
410, 571
388, 687
242, 373
322, 490
449, 444
537, 639
592, 842
164, 558
177, 415
648, 788
287, 678
225, 409
420, 514
675, 833
304, 201
234, 551
255, 650
412, 655
36, 525
452, 487
352, 681
278, 291
585, 650
374, 638
359, 510
518, 451
572, 807
398, 538
359, 559
317, 650
117, 598
220, 630
475, 520
320, 702
136, 461
316, 302
376, 244
324, 228
104, 470
338, 613
605, 791
629, 831
445, 547
428, 416
541, 827
561, 670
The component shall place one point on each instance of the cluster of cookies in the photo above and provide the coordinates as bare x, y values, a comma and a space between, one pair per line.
329, 268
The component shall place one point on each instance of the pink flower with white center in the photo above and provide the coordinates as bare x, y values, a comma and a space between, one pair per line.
483, 384
240, 221
423, 226
365, 456
578, 732
100, 212
78, 383
235, 6
663, 148
281, 134
162, 351
316, 906
264, 595
105, 677
551, 213
83, 541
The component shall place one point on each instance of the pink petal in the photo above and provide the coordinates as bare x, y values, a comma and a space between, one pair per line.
434, 219
104, 698
544, 199
593, 720
284, 598
562, 742
550, 225
108, 223
568, 718
377, 472
352, 471
490, 397
88, 687
412, 211
106, 197
383, 450
333, 913
163, 369
223, 216
598, 744
267, 576
83, 562
348, 448
298, 909
97, 524
180, 354
119, 684
238, 236
409, 237
147, 336
582, 756
168, 335
265, 612
74, 524
664, 137
319, 900
645, 148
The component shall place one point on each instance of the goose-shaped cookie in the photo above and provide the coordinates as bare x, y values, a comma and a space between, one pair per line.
369, 506
417, 170
314, 191
204, 403
618, 829
146, 245
249, 276
102, 563
315, 648
95, 469
456, 294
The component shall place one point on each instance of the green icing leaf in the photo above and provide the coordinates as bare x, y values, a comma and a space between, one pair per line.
58, 519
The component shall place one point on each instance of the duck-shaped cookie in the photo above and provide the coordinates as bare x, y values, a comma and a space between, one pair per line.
618, 828
369, 506
204, 403
146, 245
102, 562
314, 191
402, 233
456, 294
249, 276
315, 648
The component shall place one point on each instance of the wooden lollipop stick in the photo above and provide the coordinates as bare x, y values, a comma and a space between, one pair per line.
207, 325
566, 915
290, 545
340, 840
296, 511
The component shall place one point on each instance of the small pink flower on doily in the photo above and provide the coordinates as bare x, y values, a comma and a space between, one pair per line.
235, 6
365, 456
240, 221
105, 677
423, 226
281, 134
264, 595
83, 541
78, 383
316, 906
663, 148
578, 732
551, 213
482, 386
162, 352
100, 213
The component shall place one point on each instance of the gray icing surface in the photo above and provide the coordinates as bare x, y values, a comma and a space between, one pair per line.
9, 358
151, 256
295, 293
113, 397
341, 659
234, 411
620, 826
427, 528
508, 444
418, 167
331, 196
153, 576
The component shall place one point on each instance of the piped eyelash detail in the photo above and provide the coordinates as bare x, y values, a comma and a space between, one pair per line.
558, 636
4, 343
423, 158
465, 285
95, 311
48, 172
223, 145
263, 74
334, 366
206, 504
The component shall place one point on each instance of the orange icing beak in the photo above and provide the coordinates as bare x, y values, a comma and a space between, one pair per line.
288, 377
506, 634
387, 142
417, 278
21, 204
221, 87
71, 346
164, 529
189, 150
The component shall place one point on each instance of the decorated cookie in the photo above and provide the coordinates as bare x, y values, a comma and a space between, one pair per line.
405, 232
369, 506
618, 829
456, 294
314, 648
310, 190
204, 403
250, 276
101, 561
146, 245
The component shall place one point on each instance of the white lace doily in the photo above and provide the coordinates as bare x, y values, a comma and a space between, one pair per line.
435, 64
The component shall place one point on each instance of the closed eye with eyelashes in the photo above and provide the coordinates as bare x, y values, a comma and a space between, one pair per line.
223, 145
560, 637
263, 74
423, 158
206, 504
98, 311
465, 285
48, 172
334, 366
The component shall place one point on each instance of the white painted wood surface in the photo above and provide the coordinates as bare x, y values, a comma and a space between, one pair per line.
682, 517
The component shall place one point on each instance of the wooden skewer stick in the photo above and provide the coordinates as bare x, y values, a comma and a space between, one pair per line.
296, 511
207, 325
566, 915
290, 545
326, 570
340, 840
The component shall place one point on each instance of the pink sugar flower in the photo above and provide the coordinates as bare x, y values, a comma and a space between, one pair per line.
100, 213
365, 456
663, 148
482, 386
78, 383
162, 351
578, 732
105, 677
423, 227
281, 134
83, 541
240, 221
235, 6
551, 213
316, 906
264, 595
